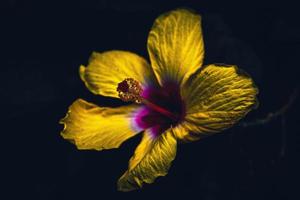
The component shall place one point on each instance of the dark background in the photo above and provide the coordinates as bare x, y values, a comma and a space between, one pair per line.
44, 42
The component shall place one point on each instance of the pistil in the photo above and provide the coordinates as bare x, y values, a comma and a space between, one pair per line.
130, 90
160, 109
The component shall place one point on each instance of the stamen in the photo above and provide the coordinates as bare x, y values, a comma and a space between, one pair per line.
130, 90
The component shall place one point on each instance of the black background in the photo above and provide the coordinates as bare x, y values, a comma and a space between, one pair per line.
44, 42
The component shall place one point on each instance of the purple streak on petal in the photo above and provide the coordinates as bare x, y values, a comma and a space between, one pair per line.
167, 97
146, 118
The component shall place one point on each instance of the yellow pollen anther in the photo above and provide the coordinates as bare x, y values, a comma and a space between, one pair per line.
130, 90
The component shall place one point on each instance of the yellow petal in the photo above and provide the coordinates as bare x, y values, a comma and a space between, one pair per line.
184, 132
216, 98
152, 158
106, 70
175, 45
93, 127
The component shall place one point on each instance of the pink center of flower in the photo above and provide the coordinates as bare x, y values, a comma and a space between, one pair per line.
162, 107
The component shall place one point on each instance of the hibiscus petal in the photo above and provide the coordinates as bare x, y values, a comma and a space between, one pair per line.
183, 132
175, 45
216, 98
106, 70
152, 158
93, 127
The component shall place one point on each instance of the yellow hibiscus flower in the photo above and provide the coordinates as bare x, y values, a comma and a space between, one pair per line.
173, 99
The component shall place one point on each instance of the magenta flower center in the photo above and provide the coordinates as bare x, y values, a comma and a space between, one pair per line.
162, 108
